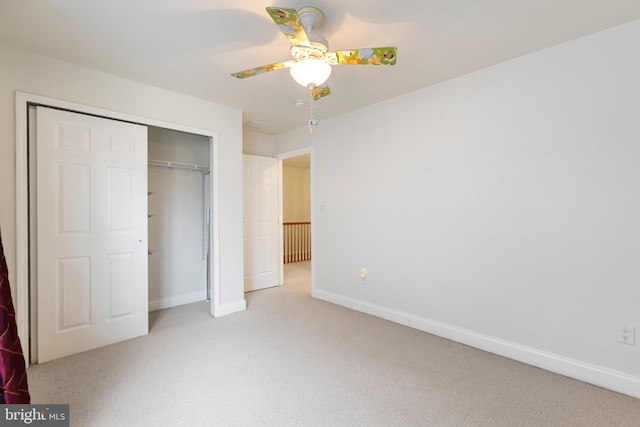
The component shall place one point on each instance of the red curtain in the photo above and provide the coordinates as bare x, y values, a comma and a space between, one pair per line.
13, 374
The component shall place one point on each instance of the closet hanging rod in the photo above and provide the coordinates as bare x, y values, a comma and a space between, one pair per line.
178, 165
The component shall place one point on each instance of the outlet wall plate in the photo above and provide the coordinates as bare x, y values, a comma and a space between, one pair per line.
627, 334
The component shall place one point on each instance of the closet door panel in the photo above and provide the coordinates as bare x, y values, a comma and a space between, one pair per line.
91, 209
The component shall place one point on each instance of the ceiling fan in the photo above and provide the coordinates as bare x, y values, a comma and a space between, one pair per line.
312, 60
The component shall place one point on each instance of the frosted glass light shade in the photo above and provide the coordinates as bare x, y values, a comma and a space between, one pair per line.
310, 72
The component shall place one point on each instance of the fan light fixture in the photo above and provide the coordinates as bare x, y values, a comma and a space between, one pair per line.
310, 72
312, 61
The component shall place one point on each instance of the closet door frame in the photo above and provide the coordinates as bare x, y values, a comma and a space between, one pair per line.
22, 103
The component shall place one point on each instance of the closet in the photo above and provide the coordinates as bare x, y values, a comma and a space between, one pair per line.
96, 188
178, 224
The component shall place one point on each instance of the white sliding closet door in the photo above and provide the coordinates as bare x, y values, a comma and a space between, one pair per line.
261, 209
91, 232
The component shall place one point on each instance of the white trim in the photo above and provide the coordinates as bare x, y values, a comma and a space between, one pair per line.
22, 226
232, 307
294, 153
281, 157
579, 370
176, 300
214, 227
87, 109
22, 207
280, 223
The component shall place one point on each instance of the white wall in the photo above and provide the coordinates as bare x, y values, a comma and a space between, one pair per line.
257, 144
499, 209
40, 75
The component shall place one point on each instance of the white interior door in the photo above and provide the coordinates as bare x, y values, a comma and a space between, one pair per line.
91, 232
260, 222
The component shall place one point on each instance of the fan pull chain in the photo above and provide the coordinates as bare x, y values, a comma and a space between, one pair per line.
312, 121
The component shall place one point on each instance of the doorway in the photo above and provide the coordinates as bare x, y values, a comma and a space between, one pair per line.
297, 225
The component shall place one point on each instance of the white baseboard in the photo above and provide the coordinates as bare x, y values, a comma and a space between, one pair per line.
174, 301
579, 370
232, 307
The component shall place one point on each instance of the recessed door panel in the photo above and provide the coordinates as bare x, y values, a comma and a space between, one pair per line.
73, 186
74, 293
119, 199
121, 285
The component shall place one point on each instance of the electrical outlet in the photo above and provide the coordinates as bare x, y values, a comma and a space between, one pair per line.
363, 275
626, 334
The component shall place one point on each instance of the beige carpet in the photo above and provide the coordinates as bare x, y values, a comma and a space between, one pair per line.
290, 360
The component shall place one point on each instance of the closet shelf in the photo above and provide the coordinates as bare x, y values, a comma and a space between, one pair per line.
178, 165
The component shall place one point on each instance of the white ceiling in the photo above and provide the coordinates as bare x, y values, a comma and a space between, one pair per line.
192, 46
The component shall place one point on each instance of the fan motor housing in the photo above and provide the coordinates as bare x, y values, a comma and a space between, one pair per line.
319, 47
311, 18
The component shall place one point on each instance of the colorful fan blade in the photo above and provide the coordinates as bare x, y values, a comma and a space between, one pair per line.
367, 56
264, 69
289, 23
320, 92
